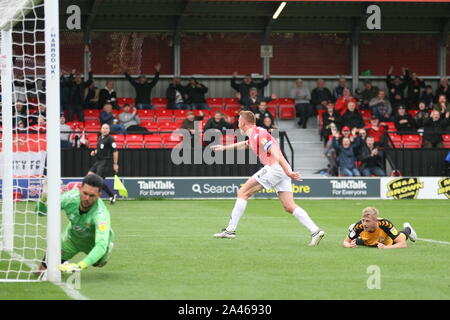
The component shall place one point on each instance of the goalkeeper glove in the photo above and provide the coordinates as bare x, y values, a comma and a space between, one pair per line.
72, 267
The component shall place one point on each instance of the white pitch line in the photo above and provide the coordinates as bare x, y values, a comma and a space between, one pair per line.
434, 241
71, 293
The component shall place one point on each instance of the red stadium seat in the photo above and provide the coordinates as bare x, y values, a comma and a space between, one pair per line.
134, 141
412, 141
167, 126
91, 114
153, 141
287, 112
446, 140
163, 114
92, 125
231, 103
179, 123
149, 125
159, 103
76, 125
366, 114
121, 101
171, 140
273, 103
179, 114
92, 140
286, 102
413, 112
396, 140
233, 111
273, 111
215, 102
390, 125
146, 114
120, 140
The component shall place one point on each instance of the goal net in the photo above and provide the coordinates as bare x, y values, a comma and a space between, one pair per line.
30, 144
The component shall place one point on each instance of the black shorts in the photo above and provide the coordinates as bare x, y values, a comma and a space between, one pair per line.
103, 168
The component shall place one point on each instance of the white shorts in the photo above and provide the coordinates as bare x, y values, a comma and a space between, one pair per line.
273, 177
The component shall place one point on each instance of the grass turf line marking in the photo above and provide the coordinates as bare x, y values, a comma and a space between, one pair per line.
433, 241
71, 293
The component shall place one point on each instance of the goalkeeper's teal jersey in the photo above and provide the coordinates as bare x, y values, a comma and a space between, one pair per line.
90, 232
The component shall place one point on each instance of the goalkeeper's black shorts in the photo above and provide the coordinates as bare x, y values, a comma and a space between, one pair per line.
103, 168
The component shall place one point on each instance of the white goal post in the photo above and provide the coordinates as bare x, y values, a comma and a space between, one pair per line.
30, 139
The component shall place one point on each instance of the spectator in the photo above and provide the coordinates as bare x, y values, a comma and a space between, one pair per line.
130, 120
414, 85
339, 90
189, 122
427, 97
346, 155
442, 106
344, 100
20, 114
247, 83
434, 128
403, 121
262, 113
40, 126
376, 131
381, 107
64, 93
396, 88
91, 96
21, 127
421, 115
195, 95
371, 159
65, 133
352, 118
367, 94
41, 111
76, 95
302, 96
107, 116
175, 95
144, 88
331, 119
218, 122
443, 89
268, 124
253, 100
108, 95
320, 96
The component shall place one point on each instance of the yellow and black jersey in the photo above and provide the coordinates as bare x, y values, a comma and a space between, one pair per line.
385, 233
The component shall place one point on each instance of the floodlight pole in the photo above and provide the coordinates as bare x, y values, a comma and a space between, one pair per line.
266, 60
442, 49
356, 30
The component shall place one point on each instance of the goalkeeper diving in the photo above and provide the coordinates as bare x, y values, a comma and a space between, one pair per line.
89, 229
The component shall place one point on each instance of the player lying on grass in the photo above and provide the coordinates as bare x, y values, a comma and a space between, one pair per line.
276, 174
372, 231
89, 229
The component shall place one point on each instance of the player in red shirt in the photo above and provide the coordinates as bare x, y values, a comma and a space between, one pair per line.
276, 174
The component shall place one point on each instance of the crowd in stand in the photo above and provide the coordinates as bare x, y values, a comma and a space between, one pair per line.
354, 123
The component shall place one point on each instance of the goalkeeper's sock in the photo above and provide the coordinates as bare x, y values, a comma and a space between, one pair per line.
107, 190
236, 214
304, 219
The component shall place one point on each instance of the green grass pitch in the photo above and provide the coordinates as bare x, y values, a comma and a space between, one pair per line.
165, 250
